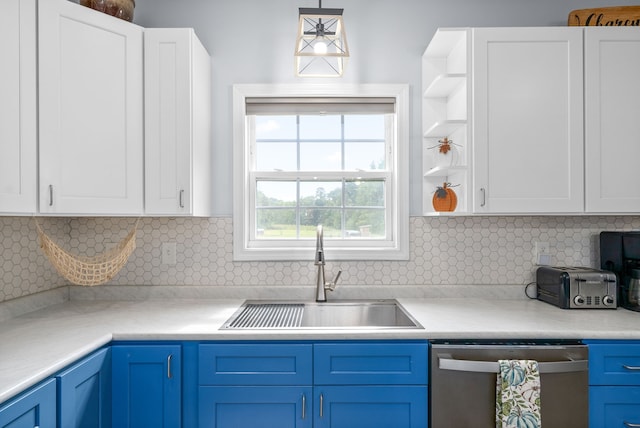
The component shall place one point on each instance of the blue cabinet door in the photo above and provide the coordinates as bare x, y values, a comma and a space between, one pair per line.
36, 408
84, 392
255, 407
146, 386
614, 406
395, 406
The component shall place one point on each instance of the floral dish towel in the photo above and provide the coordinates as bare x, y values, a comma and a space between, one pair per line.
518, 394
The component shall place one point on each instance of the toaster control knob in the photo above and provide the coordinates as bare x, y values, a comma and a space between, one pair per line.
578, 300
607, 300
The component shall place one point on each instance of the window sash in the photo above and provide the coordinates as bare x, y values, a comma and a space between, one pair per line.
385, 176
389, 142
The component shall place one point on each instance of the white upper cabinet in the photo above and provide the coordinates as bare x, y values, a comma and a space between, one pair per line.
177, 123
554, 123
528, 120
90, 112
612, 113
18, 126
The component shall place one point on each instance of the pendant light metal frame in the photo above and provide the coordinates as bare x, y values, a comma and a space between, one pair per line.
326, 24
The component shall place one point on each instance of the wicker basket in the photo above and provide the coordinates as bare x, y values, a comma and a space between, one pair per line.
82, 270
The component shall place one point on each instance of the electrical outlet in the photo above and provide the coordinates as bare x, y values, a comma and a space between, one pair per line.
168, 253
541, 255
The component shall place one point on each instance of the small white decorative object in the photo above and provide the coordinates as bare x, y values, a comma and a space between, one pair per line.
447, 154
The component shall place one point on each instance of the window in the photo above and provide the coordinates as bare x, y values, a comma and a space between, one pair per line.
331, 155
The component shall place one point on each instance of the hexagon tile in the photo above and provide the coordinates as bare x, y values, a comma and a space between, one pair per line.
444, 251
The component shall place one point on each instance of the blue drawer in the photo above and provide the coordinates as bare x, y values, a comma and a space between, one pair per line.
255, 364
384, 363
614, 363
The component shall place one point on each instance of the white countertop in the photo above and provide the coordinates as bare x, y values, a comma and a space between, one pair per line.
40, 343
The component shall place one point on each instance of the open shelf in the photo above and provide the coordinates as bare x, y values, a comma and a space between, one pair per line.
444, 128
445, 109
444, 85
444, 171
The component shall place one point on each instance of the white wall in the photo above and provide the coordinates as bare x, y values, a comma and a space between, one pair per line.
252, 41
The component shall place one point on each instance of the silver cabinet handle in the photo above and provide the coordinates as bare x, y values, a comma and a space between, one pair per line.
50, 195
304, 406
321, 405
181, 198
631, 425
169, 374
484, 197
493, 366
631, 368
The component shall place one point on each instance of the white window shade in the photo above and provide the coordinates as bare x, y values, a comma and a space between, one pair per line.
320, 105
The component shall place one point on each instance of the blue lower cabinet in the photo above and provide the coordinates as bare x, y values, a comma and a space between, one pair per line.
147, 386
370, 407
614, 383
614, 407
84, 392
341, 384
255, 407
35, 408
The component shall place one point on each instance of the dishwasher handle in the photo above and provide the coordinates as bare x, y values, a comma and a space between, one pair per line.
446, 362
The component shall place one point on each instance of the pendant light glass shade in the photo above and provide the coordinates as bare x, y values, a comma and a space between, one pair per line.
321, 44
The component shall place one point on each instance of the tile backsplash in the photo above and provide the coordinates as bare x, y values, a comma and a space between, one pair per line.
444, 251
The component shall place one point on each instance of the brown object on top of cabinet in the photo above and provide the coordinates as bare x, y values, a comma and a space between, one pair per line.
605, 16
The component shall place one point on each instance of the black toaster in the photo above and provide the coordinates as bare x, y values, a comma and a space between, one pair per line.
576, 287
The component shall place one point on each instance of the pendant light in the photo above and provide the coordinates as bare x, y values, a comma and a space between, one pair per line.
321, 44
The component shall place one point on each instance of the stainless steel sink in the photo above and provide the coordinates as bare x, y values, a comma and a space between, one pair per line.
347, 314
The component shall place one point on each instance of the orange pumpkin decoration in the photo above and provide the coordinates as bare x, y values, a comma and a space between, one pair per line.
444, 198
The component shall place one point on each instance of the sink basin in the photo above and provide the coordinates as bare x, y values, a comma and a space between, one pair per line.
347, 314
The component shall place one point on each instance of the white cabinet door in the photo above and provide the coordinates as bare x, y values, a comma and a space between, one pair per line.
177, 123
612, 114
18, 126
528, 120
91, 112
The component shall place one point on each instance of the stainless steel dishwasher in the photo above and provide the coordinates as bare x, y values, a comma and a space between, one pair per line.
463, 382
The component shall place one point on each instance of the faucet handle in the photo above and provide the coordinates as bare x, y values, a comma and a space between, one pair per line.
335, 280
331, 285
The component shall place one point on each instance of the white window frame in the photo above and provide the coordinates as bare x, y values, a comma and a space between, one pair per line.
395, 248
